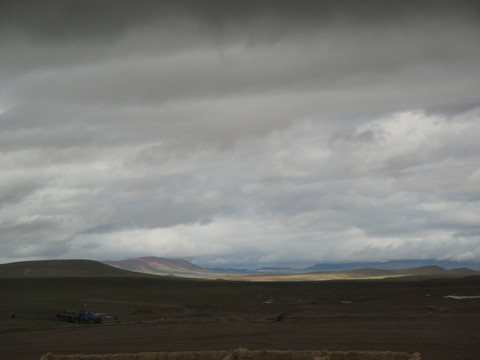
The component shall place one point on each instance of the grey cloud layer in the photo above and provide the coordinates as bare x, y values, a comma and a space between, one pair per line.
247, 132
57, 20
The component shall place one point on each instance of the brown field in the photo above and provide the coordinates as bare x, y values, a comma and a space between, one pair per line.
244, 354
172, 315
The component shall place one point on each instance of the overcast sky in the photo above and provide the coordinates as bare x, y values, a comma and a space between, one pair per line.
240, 133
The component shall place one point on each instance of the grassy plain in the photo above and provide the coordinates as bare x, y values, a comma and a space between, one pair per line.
170, 314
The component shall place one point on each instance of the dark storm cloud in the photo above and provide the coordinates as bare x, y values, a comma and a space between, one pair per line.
92, 20
239, 131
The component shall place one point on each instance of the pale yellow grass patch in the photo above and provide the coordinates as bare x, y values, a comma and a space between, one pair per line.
244, 354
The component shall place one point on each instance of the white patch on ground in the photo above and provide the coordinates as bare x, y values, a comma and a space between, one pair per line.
460, 297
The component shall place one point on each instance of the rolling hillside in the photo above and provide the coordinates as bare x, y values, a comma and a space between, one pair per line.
62, 268
182, 268
163, 266
361, 274
153, 266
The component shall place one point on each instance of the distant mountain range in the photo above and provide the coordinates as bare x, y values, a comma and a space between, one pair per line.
151, 266
386, 265
178, 267
395, 265
363, 274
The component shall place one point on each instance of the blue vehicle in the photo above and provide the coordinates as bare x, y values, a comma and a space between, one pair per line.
89, 316
86, 316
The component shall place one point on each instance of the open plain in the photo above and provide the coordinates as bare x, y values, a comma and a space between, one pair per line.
169, 314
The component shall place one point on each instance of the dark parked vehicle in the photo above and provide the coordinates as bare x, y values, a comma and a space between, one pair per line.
86, 316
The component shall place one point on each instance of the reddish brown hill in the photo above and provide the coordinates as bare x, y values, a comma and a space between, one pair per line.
161, 266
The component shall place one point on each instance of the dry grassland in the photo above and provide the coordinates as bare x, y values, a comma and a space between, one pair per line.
244, 354
162, 318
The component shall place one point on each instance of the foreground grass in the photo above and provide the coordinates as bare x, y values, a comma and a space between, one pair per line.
169, 299
244, 354
123, 296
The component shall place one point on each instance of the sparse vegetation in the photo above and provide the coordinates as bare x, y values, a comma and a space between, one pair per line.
62, 268
243, 354
171, 314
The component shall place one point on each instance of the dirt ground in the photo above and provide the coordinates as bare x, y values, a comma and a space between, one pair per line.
408, 317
